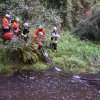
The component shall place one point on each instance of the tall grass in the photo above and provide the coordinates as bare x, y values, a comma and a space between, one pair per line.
73, 55
76, 55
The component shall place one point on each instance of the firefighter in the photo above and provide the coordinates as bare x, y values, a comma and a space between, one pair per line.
26, 29
16, 26
16, 29
6, 34
39, 29
54, 39
39, 35
5, 24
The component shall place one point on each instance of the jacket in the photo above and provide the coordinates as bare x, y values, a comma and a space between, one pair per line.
5, 23
37, 31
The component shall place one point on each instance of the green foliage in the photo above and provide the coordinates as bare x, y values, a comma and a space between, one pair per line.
74, 55
5, 69
39, 66
47, 18
90, 28
65, 13
15, 6
96, 9
17, 51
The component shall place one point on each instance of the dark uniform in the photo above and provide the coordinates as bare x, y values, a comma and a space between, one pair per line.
54, 40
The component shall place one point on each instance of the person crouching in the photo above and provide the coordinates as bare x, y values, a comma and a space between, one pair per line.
39, 36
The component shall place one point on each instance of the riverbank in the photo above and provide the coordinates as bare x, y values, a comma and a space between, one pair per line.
73, 55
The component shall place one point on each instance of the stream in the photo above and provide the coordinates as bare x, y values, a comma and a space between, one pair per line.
48, 86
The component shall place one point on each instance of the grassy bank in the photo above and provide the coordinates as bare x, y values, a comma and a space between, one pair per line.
73, 55
77, 56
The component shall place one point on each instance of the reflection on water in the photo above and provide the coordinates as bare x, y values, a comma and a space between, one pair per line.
48, 86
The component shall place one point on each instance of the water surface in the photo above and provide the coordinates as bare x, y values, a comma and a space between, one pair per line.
48, 86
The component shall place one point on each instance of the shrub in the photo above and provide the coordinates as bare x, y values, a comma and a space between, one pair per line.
89, 28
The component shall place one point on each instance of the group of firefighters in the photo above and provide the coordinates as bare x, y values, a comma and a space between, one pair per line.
11, 30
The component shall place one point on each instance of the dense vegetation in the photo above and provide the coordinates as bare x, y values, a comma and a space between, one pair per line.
90, 27
73, 54
63, 13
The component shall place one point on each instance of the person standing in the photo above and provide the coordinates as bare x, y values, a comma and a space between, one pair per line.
54, 39
16, 29
6, 34
26, 29
5, 24
15, 26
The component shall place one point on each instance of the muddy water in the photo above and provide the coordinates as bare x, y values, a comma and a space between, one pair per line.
48, 86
